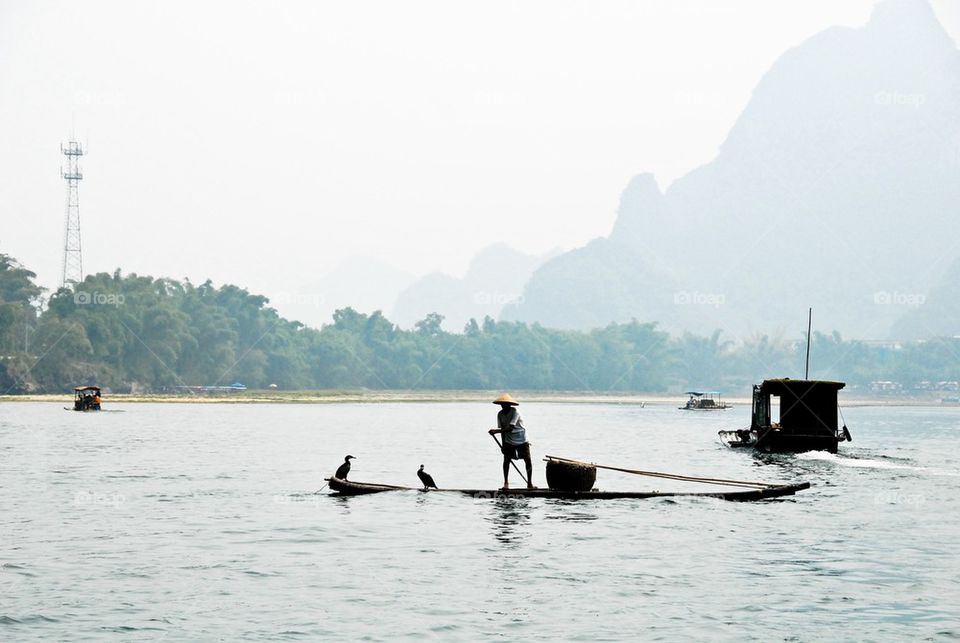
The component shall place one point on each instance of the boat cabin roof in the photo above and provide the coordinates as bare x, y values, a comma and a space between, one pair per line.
781, 385
80, 389
702, 393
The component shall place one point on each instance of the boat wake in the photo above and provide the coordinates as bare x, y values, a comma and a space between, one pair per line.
866, 463
846, 461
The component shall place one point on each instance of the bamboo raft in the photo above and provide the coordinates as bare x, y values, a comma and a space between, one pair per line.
745, 490
350, 488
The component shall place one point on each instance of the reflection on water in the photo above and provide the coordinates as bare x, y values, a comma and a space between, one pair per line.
789, 465
509, 519
342, 503
568, 510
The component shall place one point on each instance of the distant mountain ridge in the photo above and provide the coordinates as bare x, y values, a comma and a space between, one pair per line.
836, 188
495, 278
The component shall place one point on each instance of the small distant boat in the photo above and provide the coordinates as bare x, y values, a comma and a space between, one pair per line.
85, 398
704, 401
808, 418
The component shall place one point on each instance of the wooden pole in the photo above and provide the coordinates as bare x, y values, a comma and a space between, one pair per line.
671, 476
806, 373
515, 467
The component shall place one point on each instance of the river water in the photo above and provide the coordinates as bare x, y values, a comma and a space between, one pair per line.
207, 521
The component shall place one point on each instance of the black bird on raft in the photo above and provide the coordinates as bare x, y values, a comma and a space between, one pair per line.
344, 468
426, 478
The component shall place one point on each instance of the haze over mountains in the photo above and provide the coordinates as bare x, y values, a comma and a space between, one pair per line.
837, 188
495, 278
365, 284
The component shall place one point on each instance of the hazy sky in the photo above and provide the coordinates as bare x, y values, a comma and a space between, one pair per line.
261, 143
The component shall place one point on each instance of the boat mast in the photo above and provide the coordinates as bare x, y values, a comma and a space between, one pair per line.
806, 373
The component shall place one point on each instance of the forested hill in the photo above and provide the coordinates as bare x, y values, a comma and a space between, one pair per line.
131, 332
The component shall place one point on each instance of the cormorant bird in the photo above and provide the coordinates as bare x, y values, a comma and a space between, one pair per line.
426, 478
344, 468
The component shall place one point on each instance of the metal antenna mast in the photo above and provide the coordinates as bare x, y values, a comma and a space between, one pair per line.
72, 258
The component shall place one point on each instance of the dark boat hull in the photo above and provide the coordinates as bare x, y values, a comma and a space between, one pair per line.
350, 488
777, 442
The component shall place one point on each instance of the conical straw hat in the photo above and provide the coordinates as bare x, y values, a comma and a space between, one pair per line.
506, 398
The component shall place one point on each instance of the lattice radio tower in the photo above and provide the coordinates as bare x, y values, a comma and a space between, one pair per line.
72, 258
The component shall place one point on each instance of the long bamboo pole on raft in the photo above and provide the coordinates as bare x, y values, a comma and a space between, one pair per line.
670, 476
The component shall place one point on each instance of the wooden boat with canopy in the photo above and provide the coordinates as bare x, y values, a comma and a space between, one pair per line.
808, 414
86, 398
807, 422
704, 401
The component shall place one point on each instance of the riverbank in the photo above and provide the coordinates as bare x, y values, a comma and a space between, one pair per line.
415, 396
354, 396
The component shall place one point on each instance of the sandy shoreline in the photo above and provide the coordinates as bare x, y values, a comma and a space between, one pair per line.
364, 396
374, 397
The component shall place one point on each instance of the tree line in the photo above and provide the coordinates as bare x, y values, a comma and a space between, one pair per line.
132, 332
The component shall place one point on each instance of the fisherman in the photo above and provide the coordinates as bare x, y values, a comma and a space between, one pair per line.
96, 400
515, 445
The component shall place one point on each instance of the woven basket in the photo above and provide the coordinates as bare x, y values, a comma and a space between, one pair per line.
567, 476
